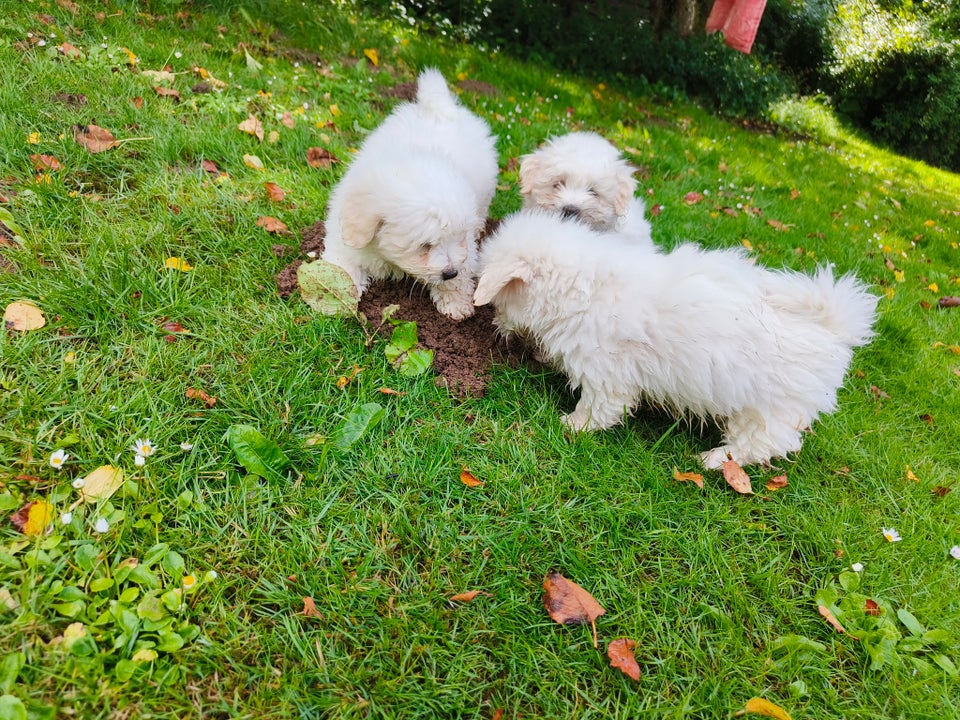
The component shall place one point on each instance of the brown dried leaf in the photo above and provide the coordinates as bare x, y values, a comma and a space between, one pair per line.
45, 162
692, 198
871, 608
167, 92
794, 194
656, 210
777, 225
569, 604
310, 608
210, 166
137, 102
274, 191
94, 138
620, 652
23, 316
949, 301
469, 479
693, 477
272, 225
391, 391
830, 618
70, 51
777, 483
287, 120
252, 126
195, 394
736, 477
173, 326
468, 596
878, 394
941, 490
319, 158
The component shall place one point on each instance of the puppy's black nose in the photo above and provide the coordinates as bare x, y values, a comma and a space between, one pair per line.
569, 211
449, 274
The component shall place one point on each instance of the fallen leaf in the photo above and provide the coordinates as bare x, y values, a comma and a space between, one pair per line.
252, 161
101, 483
871, 608
70, 51
310, 608
692, 198
317, 157
23, 316
274, 191
469, 479
195, 394
371, 55
949, 301
137, 102
45, 162
468, 596
794, 194
830, 618
210, 166
33, 518
159, 76
878, 394
175, 263
173, 326
759, 706
736, 477
252, 126
693, 477
272, 225
93, 138
327, 288
941, 490
620, 652
497, 714
391, 391
167, 92
776, 483
656, 210
777, 225
569, 604
911, 476
722, 167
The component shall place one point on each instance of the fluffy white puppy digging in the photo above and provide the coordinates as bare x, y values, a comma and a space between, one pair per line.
583, 175
415, 198
704, 333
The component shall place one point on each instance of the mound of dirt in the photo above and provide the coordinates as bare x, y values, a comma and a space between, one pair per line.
462, 351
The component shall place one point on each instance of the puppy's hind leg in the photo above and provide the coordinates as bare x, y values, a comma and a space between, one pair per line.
454, 297
749, 437
599, 408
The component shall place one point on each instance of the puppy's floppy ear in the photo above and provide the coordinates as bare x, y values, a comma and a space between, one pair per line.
358, 220
529, 168
626, 187
497, 276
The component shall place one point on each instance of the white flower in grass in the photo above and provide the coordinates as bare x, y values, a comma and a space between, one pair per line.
891, 535
66, 518
101, 526
955, 552
139, 460
143, 448
78, 484
58, 458
186, 447
857, 567
189, 582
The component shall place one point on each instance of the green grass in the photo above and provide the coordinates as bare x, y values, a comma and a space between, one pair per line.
381, 535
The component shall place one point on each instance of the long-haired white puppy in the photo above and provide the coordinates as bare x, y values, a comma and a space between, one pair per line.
704, 333
415, 198
584, 176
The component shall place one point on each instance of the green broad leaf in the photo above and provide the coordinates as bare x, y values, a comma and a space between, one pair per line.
937, 636
11, 708
404, 336
849, 580
403, 353
124, 669
169, 641
67, 440
793, 643
798, 689
416, 362
923, 668
911, 623
185, 499
258, 455
144, 655
826, 596
127, 620
69, 609
252, 64
155, 554
143, 576
173, 564
129, 595
6, 217
911, 644
188, 632
8, 502
172, 599
388, 312
8, 560
327, 288
10, 668
158, 625
150, 608
101, 584
356, 424
86, 556
945, 663
881, 645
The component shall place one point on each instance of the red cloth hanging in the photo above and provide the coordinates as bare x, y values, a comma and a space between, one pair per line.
738, 20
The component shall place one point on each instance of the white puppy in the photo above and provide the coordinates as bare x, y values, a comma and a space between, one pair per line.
582, 175
415, 197
701, 332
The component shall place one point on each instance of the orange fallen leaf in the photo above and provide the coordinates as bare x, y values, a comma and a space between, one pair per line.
497, 714
941, 490
167, 92
274, 191
656, 210
317, 157
45, 162
620, 652
693, 477
93, 138
137, 102
759, 706
195, 394
736, 477
371, 55
794, 194
390, 391
469, 479
175, 263
911, 476
569, 604
468, 596
252, 126
776, 483
777, 225
871, 608
210, 166
33, 518
70, 51
310, 608
692, 198
272, 225
830, 618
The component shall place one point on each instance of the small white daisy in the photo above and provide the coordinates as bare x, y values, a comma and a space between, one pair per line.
857, 567
955, 552
139, 460
101, 526
891, 535
66, 518
186, 447
58, 458
143, 447
78, 484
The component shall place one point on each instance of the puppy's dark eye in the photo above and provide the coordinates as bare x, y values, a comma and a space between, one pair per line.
593, 191
426, 247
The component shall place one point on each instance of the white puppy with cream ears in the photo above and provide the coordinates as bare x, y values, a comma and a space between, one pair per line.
704, 333
415, 198
583, 176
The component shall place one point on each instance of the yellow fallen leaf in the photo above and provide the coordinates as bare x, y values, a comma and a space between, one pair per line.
252, 161
911, 476
102, 483
175, 263
933, 287
759, 706
372, 56
252, 126
695, 478
39, 517
23, 316
33, 138
334, 110
469, 479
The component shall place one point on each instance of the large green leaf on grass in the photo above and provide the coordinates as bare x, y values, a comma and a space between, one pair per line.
258, 455
11, 708
358, 421
327, 288
10, 668
403, 353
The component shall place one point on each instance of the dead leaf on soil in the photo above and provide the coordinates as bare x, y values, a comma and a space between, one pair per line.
272, 225
274, 191
317, 157
830, 618
23, 316
93, 138
206, 399
759, 706
736, 477
569, 604
693, 477
252, 126
941, 490
620, 652
777, 483
310, 608
210, 166
469, 479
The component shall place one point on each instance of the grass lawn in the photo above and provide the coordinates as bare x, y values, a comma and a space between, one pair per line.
262, 562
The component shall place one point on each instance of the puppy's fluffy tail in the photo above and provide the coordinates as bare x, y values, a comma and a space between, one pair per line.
434, 95
843, 305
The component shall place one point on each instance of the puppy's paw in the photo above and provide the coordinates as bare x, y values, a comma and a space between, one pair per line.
455, 307
714, 459
578, 421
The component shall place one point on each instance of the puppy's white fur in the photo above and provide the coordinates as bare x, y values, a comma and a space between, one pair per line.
415, 197
582, 175
700, 332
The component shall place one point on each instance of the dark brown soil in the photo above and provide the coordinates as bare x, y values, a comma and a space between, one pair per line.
462, 351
